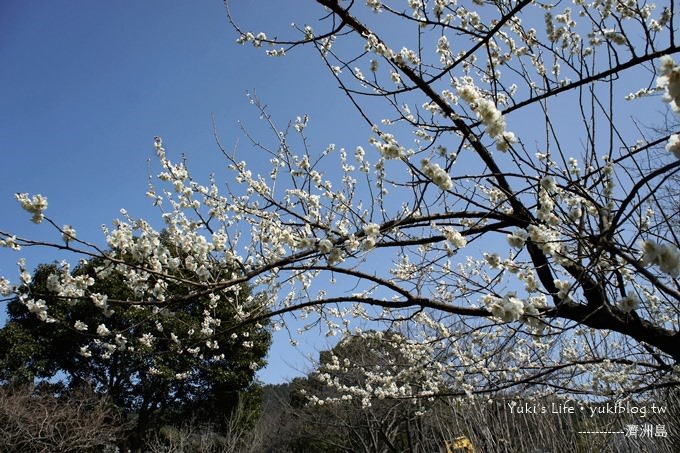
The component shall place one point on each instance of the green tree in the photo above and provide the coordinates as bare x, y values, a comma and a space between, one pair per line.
193, 365
334, 409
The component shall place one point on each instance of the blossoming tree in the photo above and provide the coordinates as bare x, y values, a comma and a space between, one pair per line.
501, 215
147, 381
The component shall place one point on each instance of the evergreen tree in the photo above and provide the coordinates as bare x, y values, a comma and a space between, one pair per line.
192, 366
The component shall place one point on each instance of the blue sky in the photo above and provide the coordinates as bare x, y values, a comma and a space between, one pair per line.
85, 86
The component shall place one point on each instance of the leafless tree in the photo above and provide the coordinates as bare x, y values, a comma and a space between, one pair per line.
78, 421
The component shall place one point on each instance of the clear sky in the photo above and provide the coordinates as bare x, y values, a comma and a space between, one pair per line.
85, 86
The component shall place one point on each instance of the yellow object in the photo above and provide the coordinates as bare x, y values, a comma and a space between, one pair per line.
459, 443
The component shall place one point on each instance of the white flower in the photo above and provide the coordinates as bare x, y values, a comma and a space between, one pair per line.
35, 205
190, 263
25, 277
325, 246
390, 150
468, 93
359, 154
102, 330
564, 289
444, 50
389, 147
396, 78
219, 241
68, 233
372, 229
670, 81
489, 115
665, 256
5, 288
352, 243
10, 242
335, 257
53, 283
629, 303
504, 141
182, 376
368, 243
121, 341
508, 309
85, 352
38, 307
548, 183
438, 175
454, 237
147, 340
532, 312
518, 238
99, 300
375, 5
493, 259
79, 325
673, 145
530, 317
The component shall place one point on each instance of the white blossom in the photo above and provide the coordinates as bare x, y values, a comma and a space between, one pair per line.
508, 308
438, 175
629, 303
665, 256
39, 308
669, 81
325, 246
99, 300
673, 145
372, 229
5, 287
103, 331
517, 238
35, 205
68, 233
454, 237
147, 340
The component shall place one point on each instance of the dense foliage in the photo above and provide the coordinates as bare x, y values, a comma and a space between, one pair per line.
162, 379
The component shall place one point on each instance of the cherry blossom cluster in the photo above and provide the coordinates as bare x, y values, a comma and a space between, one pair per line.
673, 145
438, 175
488, 114
508, 309
665, 256
36, 205
669, 81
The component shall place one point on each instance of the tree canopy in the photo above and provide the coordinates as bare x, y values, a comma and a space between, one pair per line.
159, 379
502, 214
